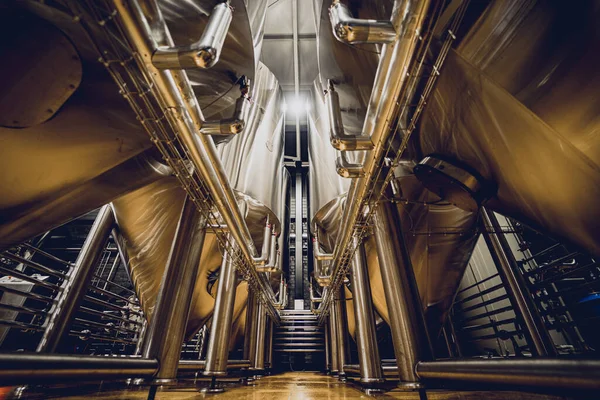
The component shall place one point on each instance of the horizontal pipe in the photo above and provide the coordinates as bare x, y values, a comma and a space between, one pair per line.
91, 311
19, 368
87, 335
546, 373
21, 325
45, 254
87, 323
350, 30
205, 52
199, 365
29, 279
110, 294
32, 264
389, 371
29, 295
106, 304
21, 309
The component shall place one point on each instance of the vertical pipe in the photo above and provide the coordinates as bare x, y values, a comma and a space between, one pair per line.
298, 284
539, 339
220, 330
75, 285
259, 355
253, 333
327, 348
341, 321
407, 323
167, 327
335, 369
250, 305
366, 335
269, 344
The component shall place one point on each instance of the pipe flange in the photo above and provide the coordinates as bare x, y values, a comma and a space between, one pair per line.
453, 181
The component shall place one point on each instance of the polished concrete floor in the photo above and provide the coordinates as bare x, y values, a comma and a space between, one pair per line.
302, 385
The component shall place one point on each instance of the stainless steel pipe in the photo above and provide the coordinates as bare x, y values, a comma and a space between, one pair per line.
341, 320
535, 331
327, 347
542, 373
347, 169
232, 125
205, 52
269, 344
251, 331
407, 19
350, 30
75, 285
338, 138
199, 365
28, 368
220, 330
366, 336
333, 336
167, 329
250, 305
407, 322
261, 326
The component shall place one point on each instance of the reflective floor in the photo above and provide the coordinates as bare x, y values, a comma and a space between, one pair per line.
299, 385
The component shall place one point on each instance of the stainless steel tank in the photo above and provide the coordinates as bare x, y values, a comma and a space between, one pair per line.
518, 101
79, 145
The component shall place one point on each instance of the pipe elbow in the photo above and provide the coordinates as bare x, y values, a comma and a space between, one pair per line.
347, 169
206, 57
350, 30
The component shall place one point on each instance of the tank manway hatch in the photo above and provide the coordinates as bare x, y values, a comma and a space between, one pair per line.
454, 181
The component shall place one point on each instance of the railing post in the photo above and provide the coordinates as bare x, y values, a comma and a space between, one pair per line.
327, 348
334, 337
407, 323
366, 336
341, 321
75, 285
250, 328
537, 335
167, 328
259, 355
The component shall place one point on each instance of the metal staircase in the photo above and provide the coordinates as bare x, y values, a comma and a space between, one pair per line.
299, 332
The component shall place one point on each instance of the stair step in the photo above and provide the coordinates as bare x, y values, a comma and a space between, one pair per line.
298, 333
299, 339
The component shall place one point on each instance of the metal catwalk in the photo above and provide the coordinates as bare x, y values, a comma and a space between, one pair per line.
294, 198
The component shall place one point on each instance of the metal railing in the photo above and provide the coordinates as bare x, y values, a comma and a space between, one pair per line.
109, 320
562, 281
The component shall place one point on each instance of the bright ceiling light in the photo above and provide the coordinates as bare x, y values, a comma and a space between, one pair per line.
298, 106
